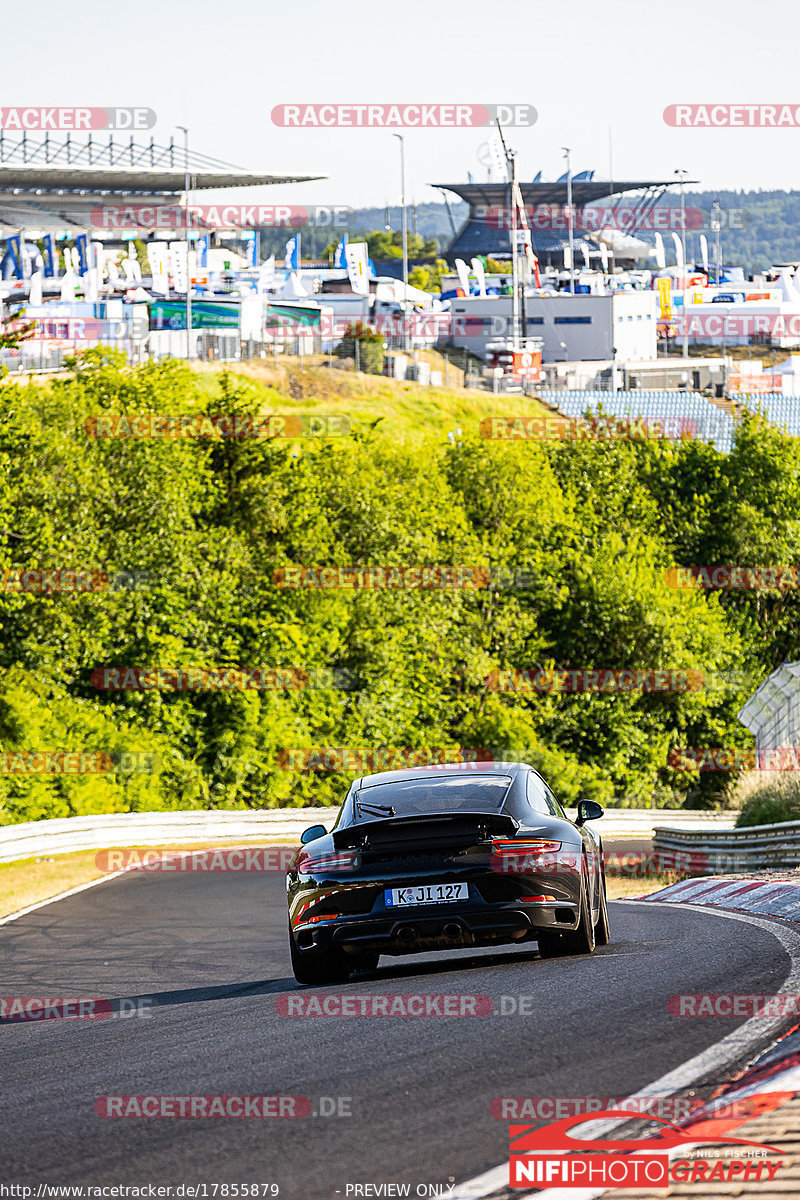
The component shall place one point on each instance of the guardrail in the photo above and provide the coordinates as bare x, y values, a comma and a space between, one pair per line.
68, 834
732, 851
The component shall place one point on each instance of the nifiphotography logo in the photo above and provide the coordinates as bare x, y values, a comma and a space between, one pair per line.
552, 1156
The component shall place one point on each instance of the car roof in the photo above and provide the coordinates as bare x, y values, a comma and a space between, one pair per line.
473, 770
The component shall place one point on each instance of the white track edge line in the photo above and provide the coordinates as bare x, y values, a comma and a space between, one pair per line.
750, 1032
82, 887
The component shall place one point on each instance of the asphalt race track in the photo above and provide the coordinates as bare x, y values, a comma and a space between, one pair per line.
209, 953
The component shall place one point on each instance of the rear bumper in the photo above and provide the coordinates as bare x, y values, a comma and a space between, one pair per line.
437, 930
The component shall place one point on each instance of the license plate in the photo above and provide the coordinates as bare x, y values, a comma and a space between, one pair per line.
428, 893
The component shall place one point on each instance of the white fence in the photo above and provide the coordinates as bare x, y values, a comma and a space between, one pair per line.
37, 839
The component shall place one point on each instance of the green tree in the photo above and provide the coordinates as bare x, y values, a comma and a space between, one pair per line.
364, 345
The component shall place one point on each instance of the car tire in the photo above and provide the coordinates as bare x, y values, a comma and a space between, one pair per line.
602, 932
550, 945
314, 967
575, 941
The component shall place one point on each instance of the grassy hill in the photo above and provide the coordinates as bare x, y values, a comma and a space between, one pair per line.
407, 412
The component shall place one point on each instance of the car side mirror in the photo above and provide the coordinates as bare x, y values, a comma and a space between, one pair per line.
588, 810
317, 831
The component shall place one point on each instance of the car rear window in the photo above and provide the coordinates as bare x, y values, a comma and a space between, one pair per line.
484, 793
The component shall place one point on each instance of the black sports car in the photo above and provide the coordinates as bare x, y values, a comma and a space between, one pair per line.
437, 858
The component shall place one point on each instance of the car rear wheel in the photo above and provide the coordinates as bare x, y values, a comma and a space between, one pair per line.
602, 932
315, 966
575, 941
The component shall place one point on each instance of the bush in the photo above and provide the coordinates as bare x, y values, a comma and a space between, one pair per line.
370, 348
766, 797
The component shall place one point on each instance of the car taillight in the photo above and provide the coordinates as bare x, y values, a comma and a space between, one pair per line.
512, 855
535, 899
523, 846
326, 863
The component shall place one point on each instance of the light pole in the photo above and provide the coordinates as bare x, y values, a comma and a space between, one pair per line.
511, 157
402, 142
716, 224
186, 183
682, 173
566, 150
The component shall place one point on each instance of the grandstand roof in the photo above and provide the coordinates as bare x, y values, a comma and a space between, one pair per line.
51, 184
477, 236
533, 194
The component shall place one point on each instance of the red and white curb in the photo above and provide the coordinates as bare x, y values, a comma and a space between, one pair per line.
781, 1076
768, 897
758, 1082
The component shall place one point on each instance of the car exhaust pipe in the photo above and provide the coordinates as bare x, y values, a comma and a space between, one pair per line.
452, 931
406, 933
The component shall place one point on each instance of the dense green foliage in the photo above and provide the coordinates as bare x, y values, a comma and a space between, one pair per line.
775, 798
364, 345
589, 528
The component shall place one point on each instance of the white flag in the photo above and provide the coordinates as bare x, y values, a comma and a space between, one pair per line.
462, 270
480, 274
704, 251
68, 279
266, 274
678, 250
661, 257
156, 257
356, 257
177, 266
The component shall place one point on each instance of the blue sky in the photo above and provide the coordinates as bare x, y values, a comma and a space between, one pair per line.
586, 67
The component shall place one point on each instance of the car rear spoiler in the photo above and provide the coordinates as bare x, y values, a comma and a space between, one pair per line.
422, 826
